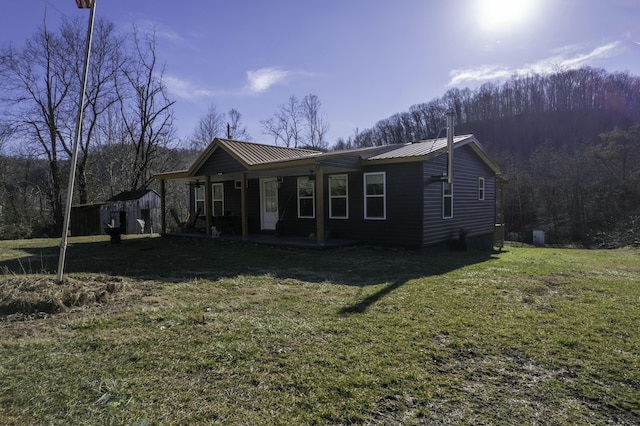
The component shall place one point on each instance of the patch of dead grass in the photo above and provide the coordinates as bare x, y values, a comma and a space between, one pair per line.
37, 296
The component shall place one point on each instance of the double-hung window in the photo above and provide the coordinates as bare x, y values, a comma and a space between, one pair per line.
306, 198
199, 198
217, 199
447, 200
375, 195
481, 188
338, 197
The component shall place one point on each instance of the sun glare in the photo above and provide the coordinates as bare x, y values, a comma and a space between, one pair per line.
500, 15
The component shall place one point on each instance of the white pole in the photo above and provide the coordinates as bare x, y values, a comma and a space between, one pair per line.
74, 154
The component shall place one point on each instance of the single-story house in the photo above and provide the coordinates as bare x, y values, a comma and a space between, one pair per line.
413, 195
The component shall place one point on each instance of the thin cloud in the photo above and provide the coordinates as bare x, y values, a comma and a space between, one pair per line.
186, 90
569, 57
161, 31
261, 80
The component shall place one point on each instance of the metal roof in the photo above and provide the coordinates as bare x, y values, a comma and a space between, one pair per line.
421, 148
255, 156
254, 153
130, 195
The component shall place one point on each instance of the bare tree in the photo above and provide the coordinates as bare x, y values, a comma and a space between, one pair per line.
107, 61
286, 124
145, 110
36, 84
236, 130
316, 125
210, 126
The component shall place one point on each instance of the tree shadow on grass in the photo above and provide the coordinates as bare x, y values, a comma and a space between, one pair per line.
421, 266
183, 260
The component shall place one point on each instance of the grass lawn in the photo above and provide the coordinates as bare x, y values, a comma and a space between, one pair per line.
179, 331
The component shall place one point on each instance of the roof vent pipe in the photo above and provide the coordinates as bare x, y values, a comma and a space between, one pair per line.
450, 118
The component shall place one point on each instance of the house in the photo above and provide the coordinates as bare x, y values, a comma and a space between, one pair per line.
413, 195
133, 212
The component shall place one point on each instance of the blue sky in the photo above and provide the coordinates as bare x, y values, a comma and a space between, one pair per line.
364, 59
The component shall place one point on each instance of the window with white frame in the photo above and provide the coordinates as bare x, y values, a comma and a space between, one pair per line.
199, 198
217, 199
375, 195
306, 198
481, 188
447, 200
338, 197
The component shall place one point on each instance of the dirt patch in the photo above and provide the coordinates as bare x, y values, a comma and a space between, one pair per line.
28, 297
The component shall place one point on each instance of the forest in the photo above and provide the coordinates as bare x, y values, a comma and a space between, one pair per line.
568, 142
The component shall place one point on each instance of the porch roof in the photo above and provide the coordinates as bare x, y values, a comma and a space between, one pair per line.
263, 159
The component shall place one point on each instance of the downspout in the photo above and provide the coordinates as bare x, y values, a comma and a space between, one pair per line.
450, 131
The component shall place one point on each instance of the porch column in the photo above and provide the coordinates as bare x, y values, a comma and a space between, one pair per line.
243, 206
207, 205
320, 205
163, 206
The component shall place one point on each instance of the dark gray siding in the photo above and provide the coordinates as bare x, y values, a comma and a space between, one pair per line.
403, 208
476, 217
219, 162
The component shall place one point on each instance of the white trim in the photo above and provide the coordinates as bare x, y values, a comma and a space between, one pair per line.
383, 195
339, 197
213, 198
196, 199
311, 197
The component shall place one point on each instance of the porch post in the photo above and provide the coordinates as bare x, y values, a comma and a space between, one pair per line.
207, 205
163, 206
320, 205
243, 206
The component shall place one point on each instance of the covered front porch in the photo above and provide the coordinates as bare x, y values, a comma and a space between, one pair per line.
258, 193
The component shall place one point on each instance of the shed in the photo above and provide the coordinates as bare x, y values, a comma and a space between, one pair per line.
134, 212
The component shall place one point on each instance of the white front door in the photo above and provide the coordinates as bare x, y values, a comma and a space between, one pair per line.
268, 203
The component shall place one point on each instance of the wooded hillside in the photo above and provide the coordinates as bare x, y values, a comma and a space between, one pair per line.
569, 144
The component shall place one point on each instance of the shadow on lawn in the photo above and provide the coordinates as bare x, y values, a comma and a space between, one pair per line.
183, 259
433, 264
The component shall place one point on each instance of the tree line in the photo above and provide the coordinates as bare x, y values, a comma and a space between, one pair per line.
128, 132
568, 143
127, 113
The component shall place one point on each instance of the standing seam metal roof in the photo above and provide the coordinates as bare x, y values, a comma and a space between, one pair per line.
419, 149
254, 153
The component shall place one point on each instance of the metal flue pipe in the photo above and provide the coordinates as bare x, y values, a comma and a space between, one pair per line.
450, 119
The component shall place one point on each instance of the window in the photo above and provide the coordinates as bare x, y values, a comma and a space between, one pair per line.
481, 189
199, 198
217, 199
338, 199
447, 200
374, 196
306, 199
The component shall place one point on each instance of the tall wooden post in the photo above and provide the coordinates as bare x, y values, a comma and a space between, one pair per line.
243, 206
320, 205
207, 205
163, 206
